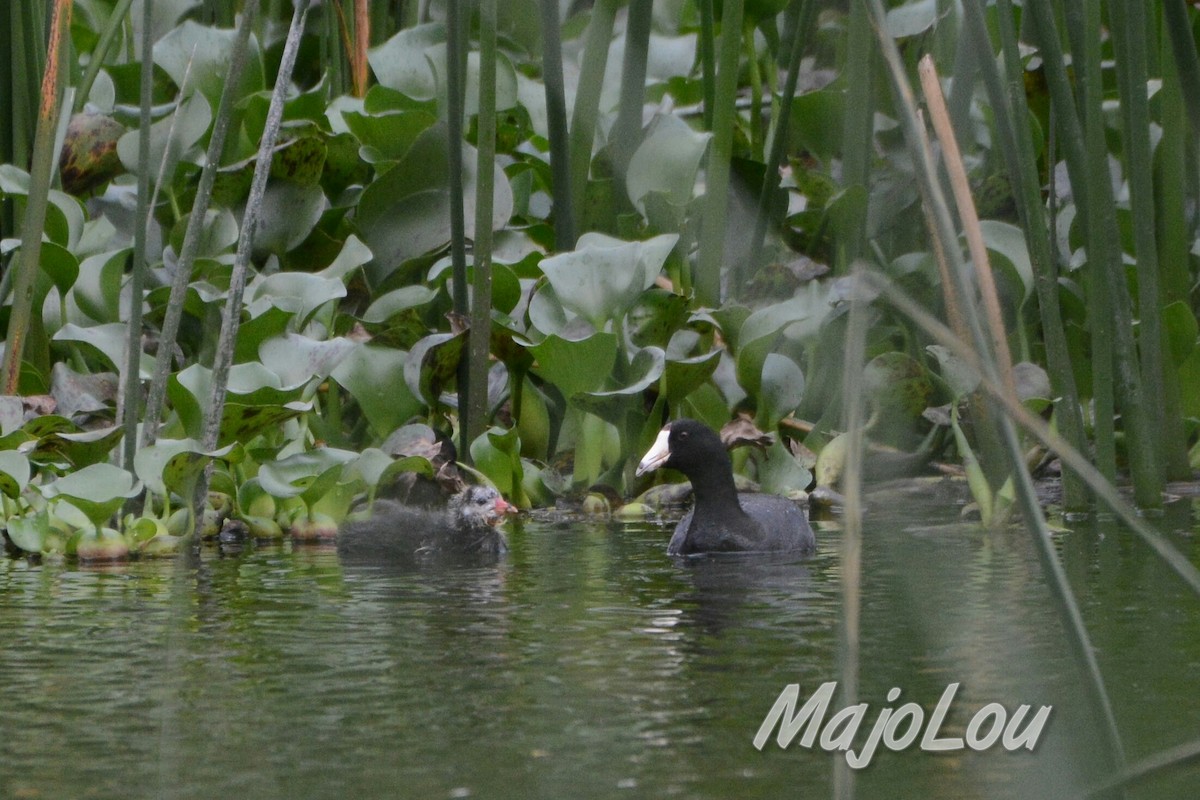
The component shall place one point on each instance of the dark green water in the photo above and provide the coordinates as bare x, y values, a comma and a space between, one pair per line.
585, 664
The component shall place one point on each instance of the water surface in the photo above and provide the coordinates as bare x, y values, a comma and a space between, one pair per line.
586, 663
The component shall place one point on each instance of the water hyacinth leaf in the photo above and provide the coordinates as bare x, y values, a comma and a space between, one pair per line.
96, 287
218, 234
780, 473
203, 53
374, 376
1033, 386
387, 137
300, 161
296, 359
298, 293
603, 276
1008, 241
575, 365
251, 388
30, 532
170, 137
911, 18
60, 266
666, 162
306, 475
369, 467
289, 213
962, 378
107, 342
401, 63
172, 465
418, 464
405, 212
266, 324
816, 122
751, 357
683, 376
548, 315
432, 363
1182, 330
12, 414
728, 319
782, 388
657, 316
241, 422
496, 454
614, 405
766, 322
47, 424
78, 448
89, 153
353, 255
14, 473
98, 490
396, 301
65, 217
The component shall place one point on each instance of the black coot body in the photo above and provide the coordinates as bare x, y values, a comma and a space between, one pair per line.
722, 520
398, 532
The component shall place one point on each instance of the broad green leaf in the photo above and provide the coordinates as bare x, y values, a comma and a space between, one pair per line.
396, 301
405, 212
97, 490
603, 276
289, 213
432, 363
14, 472
296, 359
1009, 242
106, 341
172, 465
575, 366
781, 390
79, 448
306, 475
401, 63
170, 137
779, 472
666, 162
209, 51
374, 376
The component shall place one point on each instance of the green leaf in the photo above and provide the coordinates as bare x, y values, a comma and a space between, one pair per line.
780, 473
432, 363
1182, 329
97, 490
290, 211
170, 137
172, 465
401, 63
209, 51
575, 365
781, 390
667, 162
603, 276
306, 475
1008, 241
78, 448
615, 404
106, 341
296, 359
14, 473
374, 376
405, 212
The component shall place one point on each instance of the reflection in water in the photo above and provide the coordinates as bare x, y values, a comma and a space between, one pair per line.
585, 663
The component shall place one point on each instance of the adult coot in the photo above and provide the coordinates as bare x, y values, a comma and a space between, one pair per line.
722, 520
398, 532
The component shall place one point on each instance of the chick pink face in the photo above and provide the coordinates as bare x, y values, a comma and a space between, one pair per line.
503, 508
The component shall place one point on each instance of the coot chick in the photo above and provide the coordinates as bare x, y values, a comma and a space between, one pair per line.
398, 532
722, 520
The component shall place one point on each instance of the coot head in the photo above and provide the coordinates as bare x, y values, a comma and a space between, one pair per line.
689, 446
478, 508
